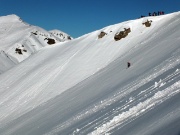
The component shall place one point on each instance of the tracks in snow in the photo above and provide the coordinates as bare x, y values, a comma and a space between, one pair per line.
146, 99
122, 107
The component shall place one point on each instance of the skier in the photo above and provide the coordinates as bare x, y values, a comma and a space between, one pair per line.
128, 64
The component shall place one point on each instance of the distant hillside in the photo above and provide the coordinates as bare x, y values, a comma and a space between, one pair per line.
61, 36
19, 40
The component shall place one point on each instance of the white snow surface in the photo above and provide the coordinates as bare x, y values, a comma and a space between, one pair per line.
83, 86
16, 35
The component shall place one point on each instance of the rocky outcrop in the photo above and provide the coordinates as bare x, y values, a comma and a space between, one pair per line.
60, 35
102, 34
50, 41
147, 23
122, 34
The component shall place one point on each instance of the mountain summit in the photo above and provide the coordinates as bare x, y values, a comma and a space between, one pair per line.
19, 40
122, 79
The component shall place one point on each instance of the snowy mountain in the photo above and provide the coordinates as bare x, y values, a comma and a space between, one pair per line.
19, 40
62, 36
84, 87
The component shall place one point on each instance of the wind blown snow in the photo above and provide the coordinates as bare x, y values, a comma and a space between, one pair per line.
52, 84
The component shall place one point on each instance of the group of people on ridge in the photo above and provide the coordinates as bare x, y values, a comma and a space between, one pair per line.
154, 14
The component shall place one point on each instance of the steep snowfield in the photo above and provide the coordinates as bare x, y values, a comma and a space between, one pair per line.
84, 87
19, 40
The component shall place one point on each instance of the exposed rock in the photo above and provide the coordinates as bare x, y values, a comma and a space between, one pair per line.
50, 41
69, 38
25, 50
34, 33
127, 30
101, 35
19, 51
122, 34
147, 23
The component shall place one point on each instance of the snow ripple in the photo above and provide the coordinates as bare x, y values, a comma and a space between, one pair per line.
142, 107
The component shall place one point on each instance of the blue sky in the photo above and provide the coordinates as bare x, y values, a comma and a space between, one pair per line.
79, 17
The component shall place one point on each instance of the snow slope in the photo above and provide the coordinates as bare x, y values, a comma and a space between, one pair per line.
83, 86
19, 40
62, 36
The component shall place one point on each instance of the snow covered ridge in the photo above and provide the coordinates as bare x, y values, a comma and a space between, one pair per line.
60, 35
84, 87
19, 40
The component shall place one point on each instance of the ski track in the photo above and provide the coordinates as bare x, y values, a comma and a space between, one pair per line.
133, 108
32, 91
45, 81
139, 109
142, 96
147, 99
